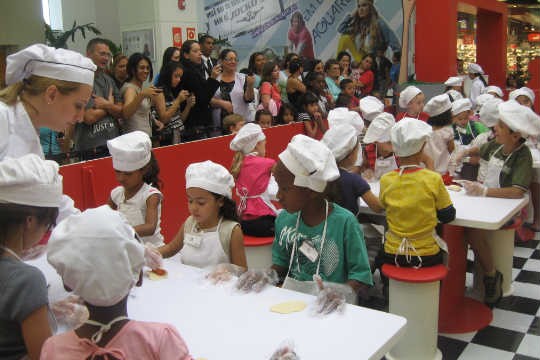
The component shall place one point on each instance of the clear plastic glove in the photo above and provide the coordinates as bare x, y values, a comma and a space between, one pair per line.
70, 312
285, 352
331, 297
368, 175
152, 257
256, 280
224, 273
474, 188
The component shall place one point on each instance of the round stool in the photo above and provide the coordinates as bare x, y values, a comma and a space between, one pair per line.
258, 251
414, 294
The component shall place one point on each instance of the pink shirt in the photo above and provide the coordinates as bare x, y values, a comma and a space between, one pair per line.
253, 181
136, 340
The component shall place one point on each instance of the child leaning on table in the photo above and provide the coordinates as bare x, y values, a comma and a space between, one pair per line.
316, 240
508, 175
415, 200
211, 235
99, 257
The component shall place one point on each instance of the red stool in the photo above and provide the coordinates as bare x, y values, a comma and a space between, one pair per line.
258, 251
414, 294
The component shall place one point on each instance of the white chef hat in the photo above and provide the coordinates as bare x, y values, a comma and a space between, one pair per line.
97, 255
247, 138
131, 151
456, 95
519, 118
342, 116
370, 107
481, 100
311, 162
409, 135
42, 60
341, 140
437, 105
525, 91
489, 113
211, 177
30, 180
494, 89
454, 81
460, 106
379, 129
475, 69
407, 95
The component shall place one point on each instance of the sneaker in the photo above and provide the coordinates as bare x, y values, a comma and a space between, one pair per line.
493, 289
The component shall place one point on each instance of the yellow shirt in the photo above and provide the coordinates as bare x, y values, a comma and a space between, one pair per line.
411, 202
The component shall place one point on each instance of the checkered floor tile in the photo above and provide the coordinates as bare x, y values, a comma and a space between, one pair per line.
514, 333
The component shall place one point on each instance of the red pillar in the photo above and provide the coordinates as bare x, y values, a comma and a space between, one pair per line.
435, 40
491, 36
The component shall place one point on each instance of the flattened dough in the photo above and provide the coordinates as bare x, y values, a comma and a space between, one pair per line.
454, 187
153, 276
288, 307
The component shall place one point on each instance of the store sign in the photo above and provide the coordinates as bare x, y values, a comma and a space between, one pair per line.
177, 36
533, 37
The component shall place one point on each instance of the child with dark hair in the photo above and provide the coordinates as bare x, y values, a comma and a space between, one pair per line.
311, 116
138, 197
287, 114
211, 235
263, 118
348, 88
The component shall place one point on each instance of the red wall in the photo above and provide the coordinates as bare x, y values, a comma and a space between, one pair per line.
436, 34
90, 183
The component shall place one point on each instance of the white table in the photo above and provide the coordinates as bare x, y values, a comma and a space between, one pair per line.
217, 322
458, 313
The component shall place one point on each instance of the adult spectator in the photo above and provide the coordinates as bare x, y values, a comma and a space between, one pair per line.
344, 59
118, 70
207, 46
171, 53
284, 75
255, 66
333, 77
269, 92
100, 122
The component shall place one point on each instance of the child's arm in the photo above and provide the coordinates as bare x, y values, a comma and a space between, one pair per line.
238, 254
373, 202
311, 128
151, 220
35, 330
451, 145
111, 204
359, 288
509, 192
176, 244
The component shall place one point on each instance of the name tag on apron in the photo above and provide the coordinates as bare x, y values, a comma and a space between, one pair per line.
194, 241
309, 251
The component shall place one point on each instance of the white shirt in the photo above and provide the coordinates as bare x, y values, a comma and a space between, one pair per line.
205, 65
19, 137
477, 88
240, 106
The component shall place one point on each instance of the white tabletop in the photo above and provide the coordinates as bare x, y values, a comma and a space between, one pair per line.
472, 211
217, 322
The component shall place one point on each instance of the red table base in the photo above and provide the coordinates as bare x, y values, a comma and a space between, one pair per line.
457, 313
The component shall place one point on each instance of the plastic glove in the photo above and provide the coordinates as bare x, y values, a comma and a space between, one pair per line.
70, 311
368, 175
285, 352
331, 297
152, 257
224, 273
474, 188
256, 280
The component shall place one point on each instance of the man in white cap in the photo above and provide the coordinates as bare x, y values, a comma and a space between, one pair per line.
104, 108
48, 87
30, 193
99, 258
478, 82
508, 175
315, 239
415, 200
411, 99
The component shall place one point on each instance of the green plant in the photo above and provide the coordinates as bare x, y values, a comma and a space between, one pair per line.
59, 39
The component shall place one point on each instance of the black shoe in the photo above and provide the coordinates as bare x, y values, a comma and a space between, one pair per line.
493, 289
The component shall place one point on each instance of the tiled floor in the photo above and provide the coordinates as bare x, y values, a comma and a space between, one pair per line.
514, 333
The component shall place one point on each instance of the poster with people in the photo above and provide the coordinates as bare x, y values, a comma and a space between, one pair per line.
311, 28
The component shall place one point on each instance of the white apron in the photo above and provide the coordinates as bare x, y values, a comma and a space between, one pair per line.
384, 165
203, 249
494, 168
459, 146
134, 216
